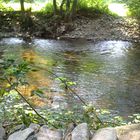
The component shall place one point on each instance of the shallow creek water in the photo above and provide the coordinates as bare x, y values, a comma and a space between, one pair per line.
106, 73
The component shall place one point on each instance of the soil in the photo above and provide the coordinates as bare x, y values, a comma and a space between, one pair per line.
96, 28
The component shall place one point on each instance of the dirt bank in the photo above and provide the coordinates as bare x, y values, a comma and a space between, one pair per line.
103, 27
106, 28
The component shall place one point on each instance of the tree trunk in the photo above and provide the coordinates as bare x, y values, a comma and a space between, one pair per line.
68, 5
61, 7
22, 5
73, 10
54, 7
67, 14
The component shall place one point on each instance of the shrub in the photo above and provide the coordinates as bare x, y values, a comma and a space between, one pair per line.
93, 6
3, 8
48, 9
134, 7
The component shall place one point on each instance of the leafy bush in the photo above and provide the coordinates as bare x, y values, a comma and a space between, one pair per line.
98, 6
48, 9
134, 7
3, 8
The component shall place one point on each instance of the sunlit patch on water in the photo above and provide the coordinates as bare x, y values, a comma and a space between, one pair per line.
114, 48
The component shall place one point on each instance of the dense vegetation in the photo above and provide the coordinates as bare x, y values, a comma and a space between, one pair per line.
68, 8
134, 7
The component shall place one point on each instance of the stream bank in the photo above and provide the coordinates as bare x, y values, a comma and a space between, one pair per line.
95, 28
105, 27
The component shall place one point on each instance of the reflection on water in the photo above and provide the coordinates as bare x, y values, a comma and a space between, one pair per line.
107, 73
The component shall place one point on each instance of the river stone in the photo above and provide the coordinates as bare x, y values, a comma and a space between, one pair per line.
128, 132
134, 135
32, 137
17, 128
67, 134
21, 135
105, 134
35, 127
2, 133
81, 132
47, 134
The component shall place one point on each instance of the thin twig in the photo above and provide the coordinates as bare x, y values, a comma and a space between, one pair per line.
72, 91
64, 82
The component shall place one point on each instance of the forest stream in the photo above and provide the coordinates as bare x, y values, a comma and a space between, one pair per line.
106, 73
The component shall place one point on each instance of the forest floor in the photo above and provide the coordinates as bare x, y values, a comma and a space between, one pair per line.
95, 28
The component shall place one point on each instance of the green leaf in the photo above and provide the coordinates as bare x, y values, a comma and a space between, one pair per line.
38, 92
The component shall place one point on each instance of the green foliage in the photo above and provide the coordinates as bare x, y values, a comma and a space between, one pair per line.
15, 111
48, 9
15, 72
134, 7
135, 118
98, 118
88, 114
7, 111
65, 82
3, 8
87, 6
92, 6
38, 92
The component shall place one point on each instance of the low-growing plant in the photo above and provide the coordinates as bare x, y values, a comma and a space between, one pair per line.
92, 6
65, 82
13, 75
47, 9
135, 118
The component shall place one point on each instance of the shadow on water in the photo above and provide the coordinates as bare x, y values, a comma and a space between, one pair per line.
107, 73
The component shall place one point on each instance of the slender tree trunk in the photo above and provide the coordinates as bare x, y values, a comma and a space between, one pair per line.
22, 5
73, 10
55, 7
61, 7
67, 12
68, 5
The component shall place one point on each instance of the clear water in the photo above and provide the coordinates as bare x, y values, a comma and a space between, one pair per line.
106, 73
